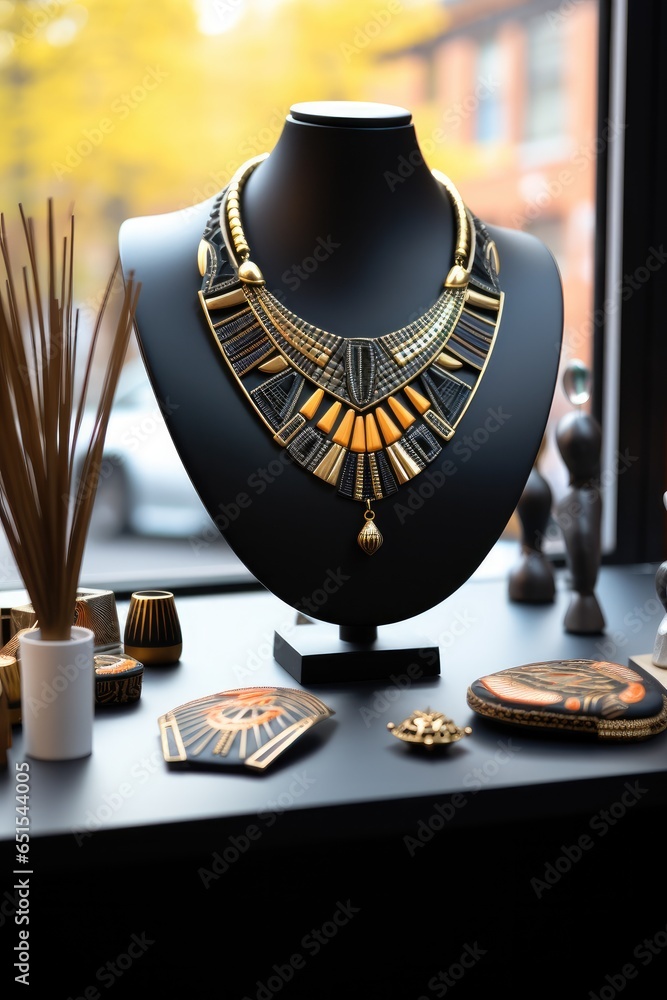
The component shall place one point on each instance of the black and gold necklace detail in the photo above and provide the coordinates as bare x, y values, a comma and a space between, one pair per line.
363, 414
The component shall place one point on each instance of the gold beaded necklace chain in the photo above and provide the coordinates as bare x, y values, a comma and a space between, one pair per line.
364, 415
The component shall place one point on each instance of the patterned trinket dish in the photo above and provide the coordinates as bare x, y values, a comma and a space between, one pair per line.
606, 700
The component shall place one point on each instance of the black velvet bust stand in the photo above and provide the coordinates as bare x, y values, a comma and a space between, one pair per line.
352, 231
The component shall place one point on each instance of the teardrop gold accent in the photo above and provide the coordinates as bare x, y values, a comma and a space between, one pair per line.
390, 431
202, 257
344, 432
358, 436
369, 538
250, 274
274, 365
373, 440
310, 407
420, 403
447, 361
330, 417
404, 417
457, 277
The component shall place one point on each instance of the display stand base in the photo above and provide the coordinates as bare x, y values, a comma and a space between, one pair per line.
645, 660
319, 653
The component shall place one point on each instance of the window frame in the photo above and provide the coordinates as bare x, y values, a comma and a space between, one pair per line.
630, 351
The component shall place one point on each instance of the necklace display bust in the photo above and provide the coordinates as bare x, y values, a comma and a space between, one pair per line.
353, 234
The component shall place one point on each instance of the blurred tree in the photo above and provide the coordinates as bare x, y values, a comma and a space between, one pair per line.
127, 108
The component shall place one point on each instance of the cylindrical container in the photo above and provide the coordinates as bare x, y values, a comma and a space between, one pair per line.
57, 695
152, 629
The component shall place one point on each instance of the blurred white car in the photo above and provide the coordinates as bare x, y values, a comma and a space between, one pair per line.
143, 487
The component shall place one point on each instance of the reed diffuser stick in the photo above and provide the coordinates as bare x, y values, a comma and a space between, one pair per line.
45, 510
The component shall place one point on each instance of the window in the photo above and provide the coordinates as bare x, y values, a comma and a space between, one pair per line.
123, 115
546, 72
490, 119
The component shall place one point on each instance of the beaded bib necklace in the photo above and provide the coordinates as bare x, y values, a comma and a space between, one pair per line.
365, 415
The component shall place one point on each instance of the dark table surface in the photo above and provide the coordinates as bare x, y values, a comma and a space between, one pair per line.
503, 821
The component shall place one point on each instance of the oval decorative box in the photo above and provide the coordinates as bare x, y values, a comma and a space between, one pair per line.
607, 700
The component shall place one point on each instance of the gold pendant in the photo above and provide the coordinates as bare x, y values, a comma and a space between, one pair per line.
370, 539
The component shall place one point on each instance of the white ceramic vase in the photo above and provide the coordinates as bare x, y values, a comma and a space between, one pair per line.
57, 695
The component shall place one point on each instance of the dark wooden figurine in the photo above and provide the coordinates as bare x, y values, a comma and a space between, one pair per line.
532, 580
579, 516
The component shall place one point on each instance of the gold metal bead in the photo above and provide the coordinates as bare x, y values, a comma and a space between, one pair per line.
492, 256
370, 538
482, 301
447, 361
274, 365
250, 274
457, 277
202, 257
234, 298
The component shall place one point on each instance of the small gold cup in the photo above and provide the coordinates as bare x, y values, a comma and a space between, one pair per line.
152, 628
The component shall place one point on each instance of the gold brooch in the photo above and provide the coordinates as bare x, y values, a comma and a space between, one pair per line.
428, 729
